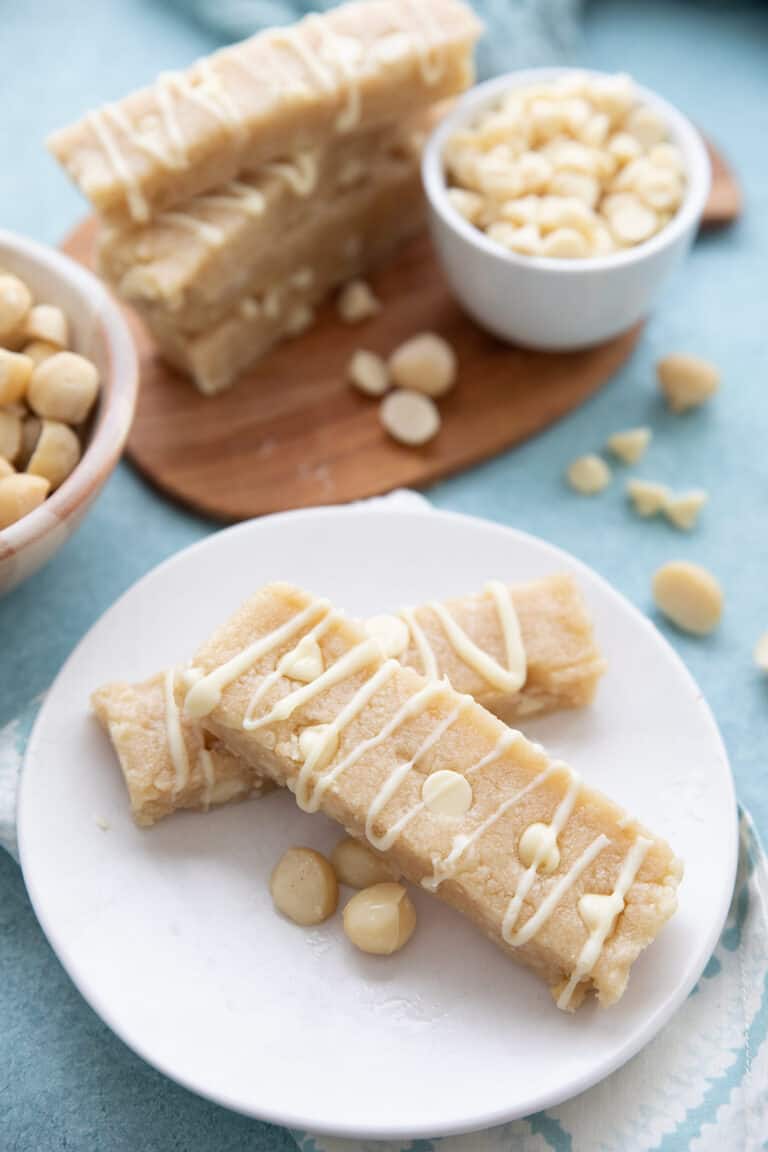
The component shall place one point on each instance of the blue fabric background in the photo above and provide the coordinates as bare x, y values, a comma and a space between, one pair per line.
65, 1081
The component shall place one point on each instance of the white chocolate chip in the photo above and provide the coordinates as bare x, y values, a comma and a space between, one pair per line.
524, 240
686, 381
588, 142
410, 417
624, 148
565, 243
321, 741
539, 841
646, 126
447, 793
47, 323
588, 475
357, 302
647, 497
667, 156
761, 653
381, 919
20, 494
683, 510
390, 633
631, 445
467, 204
689, 596
425, 363
299, 320
368, 372
304, 662
631, 222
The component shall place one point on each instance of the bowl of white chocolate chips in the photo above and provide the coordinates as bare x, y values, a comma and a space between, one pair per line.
560, 200
68, 382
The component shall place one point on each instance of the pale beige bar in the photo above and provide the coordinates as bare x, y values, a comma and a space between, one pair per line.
253, 265
354, 68
564, 666
378, 731
384, 217
247, 234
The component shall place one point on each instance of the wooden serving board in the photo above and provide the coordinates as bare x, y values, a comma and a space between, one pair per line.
293, 433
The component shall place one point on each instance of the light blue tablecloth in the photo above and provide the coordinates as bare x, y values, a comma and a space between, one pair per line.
65, 1082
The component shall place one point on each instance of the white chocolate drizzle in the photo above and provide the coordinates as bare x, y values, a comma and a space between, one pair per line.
205, 760
463, 842
398, 774
291, 38
205, 694
553, 897
137, 204
600, 913
343, 54
547, 845
294, 664
309, 799
423, 647
299, 173
431, 62
175, 735
366, 652
510, 679
209, 233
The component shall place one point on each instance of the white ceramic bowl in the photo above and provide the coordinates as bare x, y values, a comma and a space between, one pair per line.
553, 304
99, 332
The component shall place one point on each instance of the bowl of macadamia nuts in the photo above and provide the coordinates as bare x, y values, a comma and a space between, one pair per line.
559, 201
68, 382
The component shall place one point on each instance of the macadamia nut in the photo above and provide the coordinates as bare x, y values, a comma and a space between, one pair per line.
56, 453
15, 303
10, 434
304, 886
689, 596
20, 494
380, 920
15, 374
64, 387
425, 363
47, 323
356, 865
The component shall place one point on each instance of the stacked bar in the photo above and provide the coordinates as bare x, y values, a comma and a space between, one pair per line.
235, 195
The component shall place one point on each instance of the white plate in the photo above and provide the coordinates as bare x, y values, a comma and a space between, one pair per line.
170, 934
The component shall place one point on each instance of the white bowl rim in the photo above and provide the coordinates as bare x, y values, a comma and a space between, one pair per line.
698, 174
113, 422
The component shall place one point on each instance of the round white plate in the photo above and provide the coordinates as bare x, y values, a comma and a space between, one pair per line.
170, 933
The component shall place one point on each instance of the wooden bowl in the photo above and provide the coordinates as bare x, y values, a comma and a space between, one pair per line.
99, 332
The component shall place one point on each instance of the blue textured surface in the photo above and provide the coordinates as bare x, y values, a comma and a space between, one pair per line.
65, 1082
